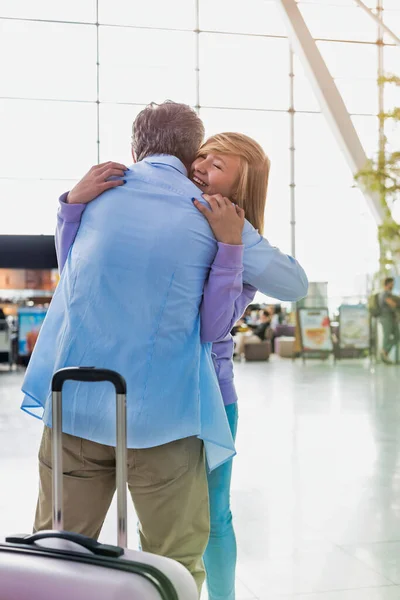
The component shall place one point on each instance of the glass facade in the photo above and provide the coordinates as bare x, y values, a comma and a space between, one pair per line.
74, 75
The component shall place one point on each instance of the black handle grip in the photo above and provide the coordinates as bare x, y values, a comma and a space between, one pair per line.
77, 538
87, 374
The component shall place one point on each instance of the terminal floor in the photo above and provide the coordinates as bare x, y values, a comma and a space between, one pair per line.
316, 486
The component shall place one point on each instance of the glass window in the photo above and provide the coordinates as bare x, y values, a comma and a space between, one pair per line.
392, 95
350, 60
391, 18
304, 97
277, 215
354, 68
345, 3
387, 4
271, 130
367, 129
48, 60
116, 130
391, 15
336, 237
243, 72
319, 160
73, 10
391, 58
177, 14
359, 95
49, 135
158, 72
30, 205
393, 136
331, 22
49, 140
259, 17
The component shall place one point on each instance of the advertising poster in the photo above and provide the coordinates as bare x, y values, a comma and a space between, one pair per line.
396, 289
315, 330
29, 323
317, 296
354, 326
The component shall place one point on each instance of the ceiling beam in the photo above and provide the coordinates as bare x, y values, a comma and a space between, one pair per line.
376, 18
328, 96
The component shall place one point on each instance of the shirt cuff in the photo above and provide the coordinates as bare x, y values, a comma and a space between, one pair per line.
70, 213
249, 290
229, 257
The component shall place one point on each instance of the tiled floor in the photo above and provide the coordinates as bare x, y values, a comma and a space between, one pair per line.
316, 488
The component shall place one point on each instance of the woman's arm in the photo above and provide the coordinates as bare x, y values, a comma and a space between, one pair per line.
225, 297
73, 203
266, 268
272, 272
68, 221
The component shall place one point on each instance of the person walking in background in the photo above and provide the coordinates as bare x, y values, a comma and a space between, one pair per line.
276, 315
389, 309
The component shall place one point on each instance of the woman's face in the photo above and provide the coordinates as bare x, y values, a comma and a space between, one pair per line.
216, 173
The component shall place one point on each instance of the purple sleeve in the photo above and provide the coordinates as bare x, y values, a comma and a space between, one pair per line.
225, 297
68, 221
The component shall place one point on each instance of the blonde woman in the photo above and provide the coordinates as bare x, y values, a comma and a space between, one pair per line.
231, 172
229, 166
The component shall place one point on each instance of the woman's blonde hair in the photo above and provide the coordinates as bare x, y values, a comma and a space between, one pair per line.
252, 185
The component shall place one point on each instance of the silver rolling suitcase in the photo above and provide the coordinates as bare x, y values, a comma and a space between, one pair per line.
59, 565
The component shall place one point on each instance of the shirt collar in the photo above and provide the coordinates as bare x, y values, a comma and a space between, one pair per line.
167, 159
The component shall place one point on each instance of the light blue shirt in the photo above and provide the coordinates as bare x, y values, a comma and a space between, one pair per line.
128, 300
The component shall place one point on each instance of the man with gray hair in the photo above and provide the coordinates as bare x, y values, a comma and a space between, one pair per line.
128, 300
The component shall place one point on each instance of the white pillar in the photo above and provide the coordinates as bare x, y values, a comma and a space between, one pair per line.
292, 150
330, 100
197, 66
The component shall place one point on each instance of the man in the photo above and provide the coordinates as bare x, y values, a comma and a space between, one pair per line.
389, 305
144, 249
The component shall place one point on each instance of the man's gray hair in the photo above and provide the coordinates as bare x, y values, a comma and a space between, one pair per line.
167, 128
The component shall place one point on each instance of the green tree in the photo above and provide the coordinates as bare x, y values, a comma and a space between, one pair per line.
382, 175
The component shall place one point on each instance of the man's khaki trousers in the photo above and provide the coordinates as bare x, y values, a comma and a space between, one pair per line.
168, 485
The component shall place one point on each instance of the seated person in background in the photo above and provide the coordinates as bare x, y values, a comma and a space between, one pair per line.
258, 335
251, 315
239, 327
247, 315
277, 316
3, 321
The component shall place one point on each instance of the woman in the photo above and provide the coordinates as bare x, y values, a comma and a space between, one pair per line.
229, 165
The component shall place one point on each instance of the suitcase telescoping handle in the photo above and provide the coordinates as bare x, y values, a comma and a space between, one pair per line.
93, 375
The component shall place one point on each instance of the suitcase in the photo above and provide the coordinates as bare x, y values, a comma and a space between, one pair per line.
61, 565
